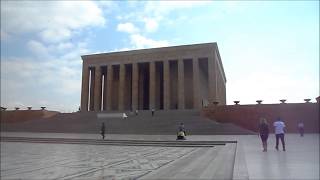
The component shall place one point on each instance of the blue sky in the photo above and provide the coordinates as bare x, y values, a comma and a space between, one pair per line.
270, 50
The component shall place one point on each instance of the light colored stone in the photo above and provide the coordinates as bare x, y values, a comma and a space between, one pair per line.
135, 78
109, 86
174, 89
166, 85
122, 74
212, 79
85, 88
97, 89
180, 84
37, 160
195, 68
152, 85
91, 95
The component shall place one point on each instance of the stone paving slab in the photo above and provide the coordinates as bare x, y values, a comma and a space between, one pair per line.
299, 162
240, 171
68, 161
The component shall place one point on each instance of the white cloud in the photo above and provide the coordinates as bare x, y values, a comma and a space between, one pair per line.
62, 46
155, 12
137, 40
55, 35
75, 53
54, 19
106, 3
64, 51
48, 76
117, 50
127, 27
165, 7
38, 49
29, 81
140, 42
151, 25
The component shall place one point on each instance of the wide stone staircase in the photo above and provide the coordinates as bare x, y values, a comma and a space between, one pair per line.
163, 122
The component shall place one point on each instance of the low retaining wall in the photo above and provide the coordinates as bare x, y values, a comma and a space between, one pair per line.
25, 115
247, 116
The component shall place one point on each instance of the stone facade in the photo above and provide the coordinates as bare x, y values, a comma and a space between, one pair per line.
179, 77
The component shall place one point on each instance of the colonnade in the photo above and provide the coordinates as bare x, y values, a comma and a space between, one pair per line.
168, 84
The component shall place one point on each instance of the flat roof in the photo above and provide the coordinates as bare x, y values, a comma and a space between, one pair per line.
151, 50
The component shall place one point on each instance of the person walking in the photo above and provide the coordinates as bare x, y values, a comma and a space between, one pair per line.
152, 111
279, 132
103, 128
301, 128
124, 116
264, 133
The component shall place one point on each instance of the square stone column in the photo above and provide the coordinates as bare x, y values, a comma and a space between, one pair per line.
97, 89
85, 88
109, 86
122, 74
104, 88
152, 84
166, 85
196, 87
135, 85
181, 84
91, 103
212, 79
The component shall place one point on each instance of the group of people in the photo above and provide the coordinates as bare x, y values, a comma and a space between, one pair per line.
279, 126
279, 131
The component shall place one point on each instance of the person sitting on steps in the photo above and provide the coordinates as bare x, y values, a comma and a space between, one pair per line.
181, 135
181, 132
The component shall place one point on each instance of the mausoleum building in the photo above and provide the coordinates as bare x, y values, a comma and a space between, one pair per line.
167, 78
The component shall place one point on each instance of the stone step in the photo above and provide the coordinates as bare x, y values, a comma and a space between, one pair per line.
165, 123
117, 142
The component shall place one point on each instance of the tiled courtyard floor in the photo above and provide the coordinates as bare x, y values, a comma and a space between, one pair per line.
69, 161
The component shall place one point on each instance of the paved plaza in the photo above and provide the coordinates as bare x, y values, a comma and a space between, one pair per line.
52, 161
21, 160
